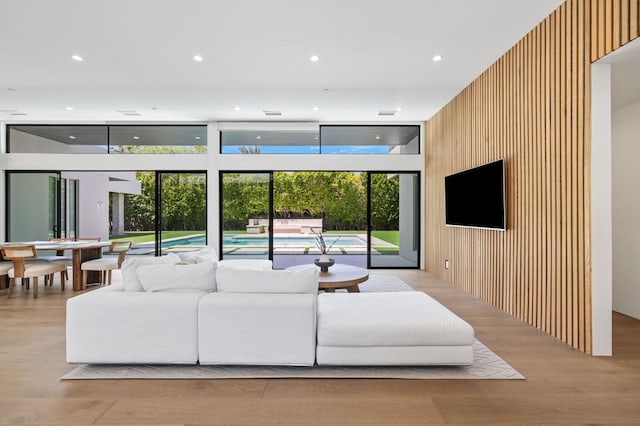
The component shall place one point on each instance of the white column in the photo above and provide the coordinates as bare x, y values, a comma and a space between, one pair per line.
601, 222
117, 213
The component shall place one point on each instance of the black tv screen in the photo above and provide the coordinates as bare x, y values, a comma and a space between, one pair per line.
475, 197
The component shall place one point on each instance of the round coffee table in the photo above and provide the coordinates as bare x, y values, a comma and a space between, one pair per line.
340, 276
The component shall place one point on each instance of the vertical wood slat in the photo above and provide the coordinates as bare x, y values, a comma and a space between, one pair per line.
624, 22
533, 108
634, 18
613, 23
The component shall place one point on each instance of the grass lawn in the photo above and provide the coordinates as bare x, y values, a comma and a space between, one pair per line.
392, 237
386, 250
138, 237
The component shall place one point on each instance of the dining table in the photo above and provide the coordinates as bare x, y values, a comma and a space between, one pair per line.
82, 251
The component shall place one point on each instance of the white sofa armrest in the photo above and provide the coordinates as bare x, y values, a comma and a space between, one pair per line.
112, 326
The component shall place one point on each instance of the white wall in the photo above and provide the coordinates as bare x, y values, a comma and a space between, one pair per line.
601, 220
406, 217
93, 207
626, 210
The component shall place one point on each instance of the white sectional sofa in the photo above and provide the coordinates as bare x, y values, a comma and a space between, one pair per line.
245, 313
260, 317
403, 328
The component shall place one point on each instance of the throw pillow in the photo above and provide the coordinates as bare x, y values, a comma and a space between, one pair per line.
232, 280
201, 277
130, 279
251, 264
205, 254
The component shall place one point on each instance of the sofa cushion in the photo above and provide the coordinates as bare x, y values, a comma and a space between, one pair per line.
233, 280
409, 318
200, 276
205, 254
253, 264
130, 279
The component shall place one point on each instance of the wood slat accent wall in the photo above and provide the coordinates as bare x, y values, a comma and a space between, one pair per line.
532, 108
613, 24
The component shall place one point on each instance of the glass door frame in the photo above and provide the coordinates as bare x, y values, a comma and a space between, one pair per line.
221, 174
368, 225
55, 231
158, 204
417, 231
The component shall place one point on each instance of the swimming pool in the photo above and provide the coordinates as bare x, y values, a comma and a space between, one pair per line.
197, 240
251, 241
302, 241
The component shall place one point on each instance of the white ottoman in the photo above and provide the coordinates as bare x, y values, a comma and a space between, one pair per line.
400, 328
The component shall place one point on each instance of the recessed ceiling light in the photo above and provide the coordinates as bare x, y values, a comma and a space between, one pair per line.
69, 108
198, 138
77, 58
315, 108
236, 108
316, 137
258, 137
71, 137
437, 58
398, 109
197, 58
377, 137
314, 58
136, 137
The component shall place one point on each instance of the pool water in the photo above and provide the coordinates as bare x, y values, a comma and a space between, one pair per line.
330, 240
249, 241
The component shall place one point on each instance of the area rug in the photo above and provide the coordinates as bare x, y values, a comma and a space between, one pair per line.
486, 364
382, 282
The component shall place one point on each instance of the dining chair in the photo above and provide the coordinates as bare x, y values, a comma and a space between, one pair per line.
21, 269
4, 270
60, 257
106, 264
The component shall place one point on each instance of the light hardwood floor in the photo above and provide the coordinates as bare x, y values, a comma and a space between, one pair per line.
563, 386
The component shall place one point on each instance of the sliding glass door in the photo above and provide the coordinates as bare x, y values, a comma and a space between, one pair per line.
394, 219
182, 204
38, 206
245, 219
367, 219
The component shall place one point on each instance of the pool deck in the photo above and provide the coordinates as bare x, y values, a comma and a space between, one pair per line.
304, 248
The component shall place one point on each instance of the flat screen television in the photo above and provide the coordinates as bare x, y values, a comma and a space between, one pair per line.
476, 197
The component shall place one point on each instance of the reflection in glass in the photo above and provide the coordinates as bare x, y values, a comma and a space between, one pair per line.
394, 220
158, 139
58, 139
384, 140
269, 142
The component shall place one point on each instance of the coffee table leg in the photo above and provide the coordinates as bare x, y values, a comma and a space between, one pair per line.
353, 289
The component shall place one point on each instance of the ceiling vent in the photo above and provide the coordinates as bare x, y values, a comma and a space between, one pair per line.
272, 113
386, 113
129, 112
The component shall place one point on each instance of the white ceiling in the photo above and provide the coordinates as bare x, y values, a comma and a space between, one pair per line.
374, 55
